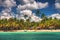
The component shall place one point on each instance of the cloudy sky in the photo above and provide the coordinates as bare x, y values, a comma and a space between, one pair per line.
19, 8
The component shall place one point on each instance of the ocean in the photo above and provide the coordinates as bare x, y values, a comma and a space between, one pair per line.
29, 35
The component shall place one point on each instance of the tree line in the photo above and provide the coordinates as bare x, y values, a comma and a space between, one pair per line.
16, 24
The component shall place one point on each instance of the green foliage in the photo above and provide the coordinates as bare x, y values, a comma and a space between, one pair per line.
38, 13
25, 16
43, 15
16, 24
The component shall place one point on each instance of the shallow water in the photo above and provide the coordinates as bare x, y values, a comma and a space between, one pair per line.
29, 35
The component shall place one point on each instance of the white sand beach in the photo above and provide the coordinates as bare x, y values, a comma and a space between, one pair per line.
36, 31
32, 31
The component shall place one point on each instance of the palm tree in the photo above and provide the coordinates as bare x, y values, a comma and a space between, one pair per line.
25, 16
42, 15
38, 13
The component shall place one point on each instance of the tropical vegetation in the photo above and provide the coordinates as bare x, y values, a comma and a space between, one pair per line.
16, 24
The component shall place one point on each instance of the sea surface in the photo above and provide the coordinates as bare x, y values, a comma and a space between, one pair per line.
29, 35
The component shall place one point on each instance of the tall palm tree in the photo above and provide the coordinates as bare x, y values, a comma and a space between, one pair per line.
25, 16
43, 15
38, 13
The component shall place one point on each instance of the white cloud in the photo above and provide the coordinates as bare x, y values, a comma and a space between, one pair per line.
56, 15
9, 3
57, 1
6, 14
34, 5
42, 5
57, 5
24, 9
35, 18
1, 2
28, 1
29, 5
29, 14
26, 12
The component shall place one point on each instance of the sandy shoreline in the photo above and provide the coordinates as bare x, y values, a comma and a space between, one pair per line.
38, 31
32, 31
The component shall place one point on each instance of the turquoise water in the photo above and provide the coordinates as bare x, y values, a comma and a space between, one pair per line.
29, 35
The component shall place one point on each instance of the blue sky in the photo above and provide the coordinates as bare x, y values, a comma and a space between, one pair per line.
51, 7
16, 6
49, 10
